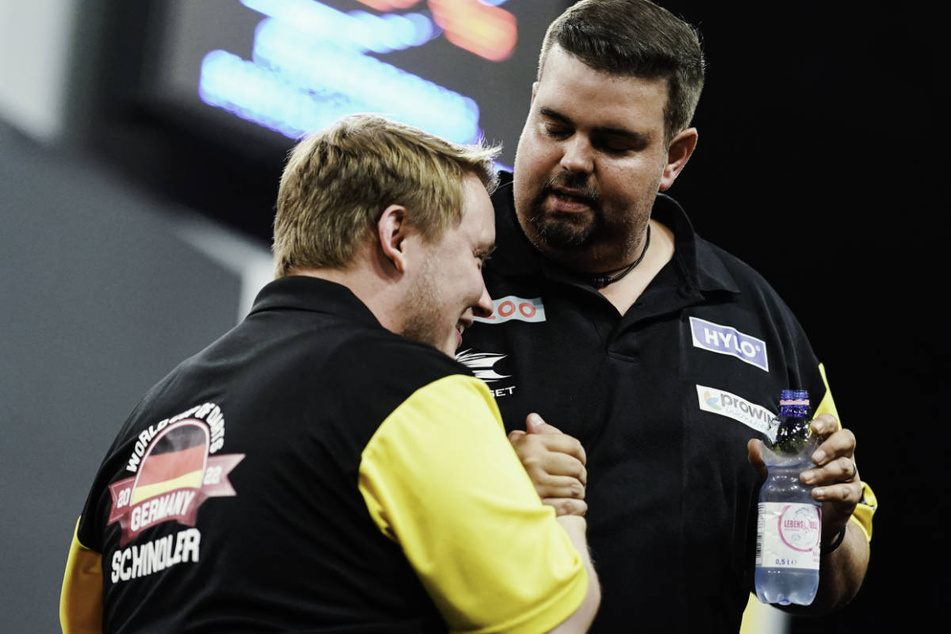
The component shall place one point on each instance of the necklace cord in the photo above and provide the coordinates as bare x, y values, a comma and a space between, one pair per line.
600, 281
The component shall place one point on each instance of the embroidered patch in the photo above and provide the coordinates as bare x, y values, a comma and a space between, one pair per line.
730, 341
511, 307
482, 364
175, 472
739, 409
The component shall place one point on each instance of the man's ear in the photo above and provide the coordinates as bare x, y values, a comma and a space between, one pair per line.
678, 153
392, 231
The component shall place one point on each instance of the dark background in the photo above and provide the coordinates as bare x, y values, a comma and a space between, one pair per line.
822, 163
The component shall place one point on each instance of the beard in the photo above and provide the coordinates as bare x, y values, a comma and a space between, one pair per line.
421, 309
560, 230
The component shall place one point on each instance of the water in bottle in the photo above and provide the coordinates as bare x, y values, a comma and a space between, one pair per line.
789, 523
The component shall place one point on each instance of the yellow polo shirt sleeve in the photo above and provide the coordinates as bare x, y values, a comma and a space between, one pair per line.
441, 479
80, 606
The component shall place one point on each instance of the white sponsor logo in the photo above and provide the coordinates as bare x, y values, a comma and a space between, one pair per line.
511, 307
482, 364
739, 409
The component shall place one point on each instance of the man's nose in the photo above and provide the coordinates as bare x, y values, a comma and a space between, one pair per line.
578, 155
483, 307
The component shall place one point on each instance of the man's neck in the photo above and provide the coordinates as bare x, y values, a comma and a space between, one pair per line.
625, 291
375, 286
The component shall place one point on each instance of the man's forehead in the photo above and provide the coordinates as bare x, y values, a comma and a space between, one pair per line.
477, 206
560, 65
577, 94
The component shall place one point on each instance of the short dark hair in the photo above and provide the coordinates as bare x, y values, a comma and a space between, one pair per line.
636, 38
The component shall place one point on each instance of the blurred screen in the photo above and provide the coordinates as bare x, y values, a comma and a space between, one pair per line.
462, 69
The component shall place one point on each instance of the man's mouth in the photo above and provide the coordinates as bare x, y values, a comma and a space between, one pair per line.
569, 200
462, 324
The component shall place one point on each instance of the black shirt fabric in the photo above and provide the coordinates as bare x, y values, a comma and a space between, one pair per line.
308, 472
663, 398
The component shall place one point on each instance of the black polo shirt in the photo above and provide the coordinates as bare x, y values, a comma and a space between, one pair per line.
312, 472
664, 399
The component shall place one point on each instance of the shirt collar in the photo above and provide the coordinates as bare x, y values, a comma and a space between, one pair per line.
698, 265
299, 292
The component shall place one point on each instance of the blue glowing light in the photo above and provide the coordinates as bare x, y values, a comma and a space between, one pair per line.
309, 67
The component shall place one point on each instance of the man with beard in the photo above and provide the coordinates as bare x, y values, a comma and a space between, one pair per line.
314, 471
657, 350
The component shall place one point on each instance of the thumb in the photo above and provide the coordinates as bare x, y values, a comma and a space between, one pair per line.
535, 424
516, 434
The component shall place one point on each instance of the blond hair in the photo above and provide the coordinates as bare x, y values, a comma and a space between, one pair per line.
337, 182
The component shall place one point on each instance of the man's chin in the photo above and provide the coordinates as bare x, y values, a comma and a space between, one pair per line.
562, 230
563, 236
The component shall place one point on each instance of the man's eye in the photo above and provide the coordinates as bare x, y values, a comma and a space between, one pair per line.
616, 148
557, 131
618, 145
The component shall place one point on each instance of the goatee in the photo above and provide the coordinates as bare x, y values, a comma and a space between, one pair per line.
561, 230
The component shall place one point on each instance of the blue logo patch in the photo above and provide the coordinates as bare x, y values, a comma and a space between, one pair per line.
726, 340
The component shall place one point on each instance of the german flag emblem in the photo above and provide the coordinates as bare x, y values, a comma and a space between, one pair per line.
175, 460
176, 475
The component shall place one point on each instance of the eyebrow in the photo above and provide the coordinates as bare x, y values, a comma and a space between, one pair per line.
638, 138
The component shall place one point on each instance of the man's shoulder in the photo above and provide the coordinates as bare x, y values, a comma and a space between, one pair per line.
385, 352
746, 277
711, 265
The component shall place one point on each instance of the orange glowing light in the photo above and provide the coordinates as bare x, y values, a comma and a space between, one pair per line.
487, 31
389, 5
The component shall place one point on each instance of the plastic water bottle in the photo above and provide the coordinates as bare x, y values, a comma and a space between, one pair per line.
789, 527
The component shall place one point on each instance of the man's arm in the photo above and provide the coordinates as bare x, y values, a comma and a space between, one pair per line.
841, 572
467, 516
839, 488
556, 464
582, 618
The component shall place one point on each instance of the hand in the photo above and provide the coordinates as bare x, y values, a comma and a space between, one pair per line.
835, 476
556, 464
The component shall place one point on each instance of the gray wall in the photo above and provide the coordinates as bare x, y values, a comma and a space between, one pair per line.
103, 290
99, 298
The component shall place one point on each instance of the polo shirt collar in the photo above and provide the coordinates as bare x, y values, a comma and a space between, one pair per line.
299, 292
700, 266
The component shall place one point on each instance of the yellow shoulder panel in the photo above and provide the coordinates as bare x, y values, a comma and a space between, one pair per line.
440, 478
80, 606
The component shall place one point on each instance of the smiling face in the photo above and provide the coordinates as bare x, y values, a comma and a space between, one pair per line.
590, 161
447, 288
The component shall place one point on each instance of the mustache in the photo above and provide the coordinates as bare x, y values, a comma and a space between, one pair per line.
574, 181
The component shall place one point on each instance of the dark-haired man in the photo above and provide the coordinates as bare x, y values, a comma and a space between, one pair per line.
660, 352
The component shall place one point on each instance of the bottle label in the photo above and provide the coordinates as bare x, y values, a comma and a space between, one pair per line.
788, 535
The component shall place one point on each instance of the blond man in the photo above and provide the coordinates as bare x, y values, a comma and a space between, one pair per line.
326, 465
